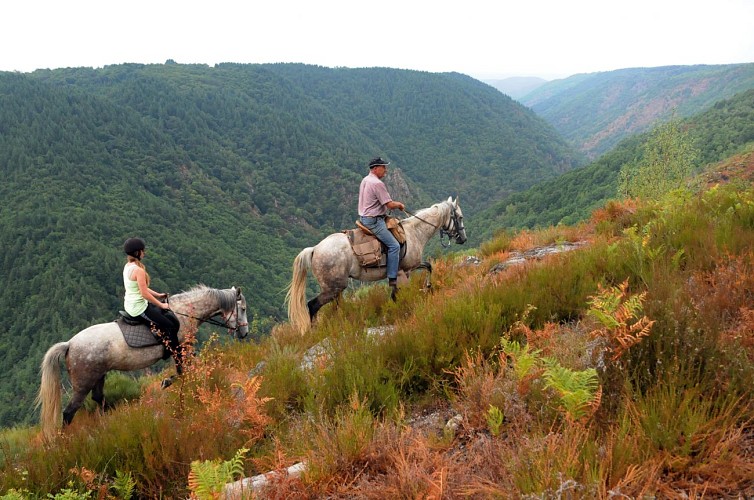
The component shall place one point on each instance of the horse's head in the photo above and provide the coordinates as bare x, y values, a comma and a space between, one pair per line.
453, 226
238, 323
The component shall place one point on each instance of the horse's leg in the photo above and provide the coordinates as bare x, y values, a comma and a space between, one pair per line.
98, 393
328, 294
82, 384
313, 305
73, 406
428, 278
330, 266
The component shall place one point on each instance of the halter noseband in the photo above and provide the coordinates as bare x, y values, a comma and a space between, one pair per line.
454, 231
234, 313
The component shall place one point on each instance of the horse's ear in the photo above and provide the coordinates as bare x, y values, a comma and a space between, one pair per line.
450, 199
238, 291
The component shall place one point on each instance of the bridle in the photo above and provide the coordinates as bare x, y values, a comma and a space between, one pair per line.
453, 231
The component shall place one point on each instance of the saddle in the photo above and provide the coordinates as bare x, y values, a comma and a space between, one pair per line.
136, 333
370, 251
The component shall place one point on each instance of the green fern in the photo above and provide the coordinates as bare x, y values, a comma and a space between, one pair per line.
14, 494
70, 494
524, 360
124, 485
576, 389
495, 418
208, 478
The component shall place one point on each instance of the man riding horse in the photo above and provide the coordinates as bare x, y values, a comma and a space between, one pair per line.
374, 202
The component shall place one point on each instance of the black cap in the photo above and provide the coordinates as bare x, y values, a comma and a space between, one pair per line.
133, 245
376, 162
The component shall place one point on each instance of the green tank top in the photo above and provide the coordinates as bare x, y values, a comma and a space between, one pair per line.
133, 303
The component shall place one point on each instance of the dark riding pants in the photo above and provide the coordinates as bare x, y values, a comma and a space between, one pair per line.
167, 323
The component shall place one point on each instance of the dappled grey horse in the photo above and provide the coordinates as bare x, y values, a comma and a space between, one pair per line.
96, 350
333, 261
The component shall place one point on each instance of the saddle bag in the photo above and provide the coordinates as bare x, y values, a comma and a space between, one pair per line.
395, 227
366, 247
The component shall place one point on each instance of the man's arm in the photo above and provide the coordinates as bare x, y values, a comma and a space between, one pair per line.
395, 204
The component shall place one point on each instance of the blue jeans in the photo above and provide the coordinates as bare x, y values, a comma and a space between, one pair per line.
378, 228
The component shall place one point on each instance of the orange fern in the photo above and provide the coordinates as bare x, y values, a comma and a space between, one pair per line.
621, 317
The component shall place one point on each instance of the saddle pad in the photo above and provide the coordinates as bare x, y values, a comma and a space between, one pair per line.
137, 335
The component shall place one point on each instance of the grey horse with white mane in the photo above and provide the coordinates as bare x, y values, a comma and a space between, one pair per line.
96, 350
333, 261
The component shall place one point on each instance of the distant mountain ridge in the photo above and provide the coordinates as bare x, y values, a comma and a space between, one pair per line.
595, 111
517, 86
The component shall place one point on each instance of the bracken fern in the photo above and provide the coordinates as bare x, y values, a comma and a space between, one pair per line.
208, 478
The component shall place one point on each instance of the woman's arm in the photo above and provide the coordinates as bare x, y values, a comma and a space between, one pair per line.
146, 292
157, 294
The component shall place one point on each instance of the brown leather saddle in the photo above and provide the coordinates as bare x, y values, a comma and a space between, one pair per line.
370, 251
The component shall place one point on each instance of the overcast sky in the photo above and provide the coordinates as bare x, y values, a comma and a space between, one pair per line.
484, 38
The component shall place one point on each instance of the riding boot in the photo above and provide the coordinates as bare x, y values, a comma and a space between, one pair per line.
175, 345
393, 283
177, 355
172, 347
178, 365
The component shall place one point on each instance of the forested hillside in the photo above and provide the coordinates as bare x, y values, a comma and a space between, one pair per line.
721, 131
595, 111
227, 172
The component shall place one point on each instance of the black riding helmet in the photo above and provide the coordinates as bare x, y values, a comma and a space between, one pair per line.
133, 245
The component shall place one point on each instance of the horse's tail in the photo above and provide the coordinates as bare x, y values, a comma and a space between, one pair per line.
298, 312
49, 396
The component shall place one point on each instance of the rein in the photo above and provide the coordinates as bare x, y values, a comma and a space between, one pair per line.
211, 320
424, 221
451, 233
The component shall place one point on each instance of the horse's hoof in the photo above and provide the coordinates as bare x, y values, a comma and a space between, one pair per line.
166, 382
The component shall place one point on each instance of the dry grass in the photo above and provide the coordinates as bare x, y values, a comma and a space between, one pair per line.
674, 407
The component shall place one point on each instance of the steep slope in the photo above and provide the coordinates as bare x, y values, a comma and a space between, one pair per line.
723, 130
227, 172
308, 123
79, 176
595, 111
447, 132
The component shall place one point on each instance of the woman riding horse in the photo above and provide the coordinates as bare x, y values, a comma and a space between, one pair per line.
94, 351
142, 302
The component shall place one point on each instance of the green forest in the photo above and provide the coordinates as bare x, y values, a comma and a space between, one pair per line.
621, 368
226, 172
717, 133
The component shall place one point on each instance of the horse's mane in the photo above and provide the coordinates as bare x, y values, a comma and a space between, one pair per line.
227, 298
424, 211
